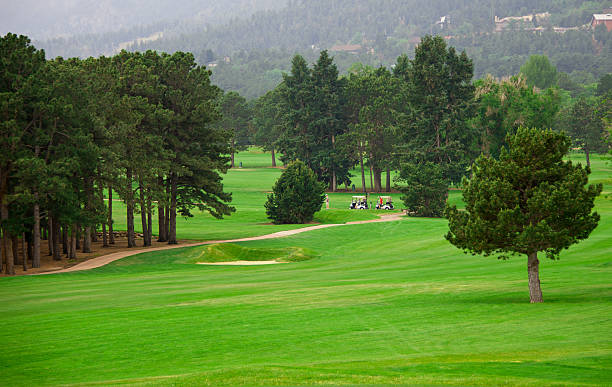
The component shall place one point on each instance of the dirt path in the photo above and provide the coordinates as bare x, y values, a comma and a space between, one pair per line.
106, 259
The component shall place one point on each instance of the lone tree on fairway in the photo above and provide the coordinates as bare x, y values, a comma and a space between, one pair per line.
296, 196
528, 201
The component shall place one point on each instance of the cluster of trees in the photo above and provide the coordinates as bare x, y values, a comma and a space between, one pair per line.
418, 118
74, 132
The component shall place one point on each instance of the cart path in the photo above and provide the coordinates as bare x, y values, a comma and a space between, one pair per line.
106, 259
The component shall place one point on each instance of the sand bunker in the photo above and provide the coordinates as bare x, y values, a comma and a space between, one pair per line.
240, 263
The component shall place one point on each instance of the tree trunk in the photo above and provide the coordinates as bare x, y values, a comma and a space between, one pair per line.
588, 158
64, 240
377, 179
533, 270
334, 181
7, 251
2, 252
87, 239
363, 180
149, 219
73, 239
50, 234
94, 233
273, 158
371, 179
111, 235
161, 220
131, 242
55, 235
16, 256
24, 252
36, 235
233, 151
388, 185
172, 222
167, 212
78, 236
143, 216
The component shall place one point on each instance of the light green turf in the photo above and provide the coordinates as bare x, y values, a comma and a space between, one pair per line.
383, 303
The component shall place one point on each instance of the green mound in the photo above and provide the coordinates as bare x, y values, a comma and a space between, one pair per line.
227, 252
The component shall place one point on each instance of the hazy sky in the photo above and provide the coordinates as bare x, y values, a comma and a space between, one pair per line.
44, 19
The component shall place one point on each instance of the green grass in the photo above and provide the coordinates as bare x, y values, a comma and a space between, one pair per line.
383, 303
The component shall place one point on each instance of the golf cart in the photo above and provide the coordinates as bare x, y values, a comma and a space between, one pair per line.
359, 203
384, 203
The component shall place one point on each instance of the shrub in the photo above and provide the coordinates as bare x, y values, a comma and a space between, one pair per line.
296, 196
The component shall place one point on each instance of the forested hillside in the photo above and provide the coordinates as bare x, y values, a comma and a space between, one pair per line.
249, 53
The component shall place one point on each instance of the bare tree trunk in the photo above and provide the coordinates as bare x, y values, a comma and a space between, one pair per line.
36, 234
388, 185
233, 151
50, 234
73, 238
588, 158
161, 220
16, 256
64, 240
8, 253
78, 236
533, 270
273, 158
371, 179
87, 239
167, 224
55, 235
130, 209
334, 181
24, 252
363, 180
150, 218
111, 235
377, 179
143, 216
172, 223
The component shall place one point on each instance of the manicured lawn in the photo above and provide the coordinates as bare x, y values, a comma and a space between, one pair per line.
384, 303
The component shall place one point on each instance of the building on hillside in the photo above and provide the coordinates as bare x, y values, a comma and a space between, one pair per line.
350, 48
503, 23
602, 18
444, 22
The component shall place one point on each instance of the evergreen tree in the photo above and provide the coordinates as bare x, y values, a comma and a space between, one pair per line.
528, 201
296, 195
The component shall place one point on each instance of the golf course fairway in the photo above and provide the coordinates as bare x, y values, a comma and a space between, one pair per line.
379, 303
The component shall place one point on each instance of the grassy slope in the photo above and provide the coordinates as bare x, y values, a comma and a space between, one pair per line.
384, 303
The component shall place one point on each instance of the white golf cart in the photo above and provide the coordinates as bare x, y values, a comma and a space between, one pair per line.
384, 203
359, 203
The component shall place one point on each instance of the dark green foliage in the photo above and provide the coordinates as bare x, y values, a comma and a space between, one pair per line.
442, 103
314, 117
539, 72
529, 200
424, 189
604, 86
585, 125
504, 106
296, 196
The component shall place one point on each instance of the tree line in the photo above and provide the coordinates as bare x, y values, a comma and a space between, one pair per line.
74, 133
424, 118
